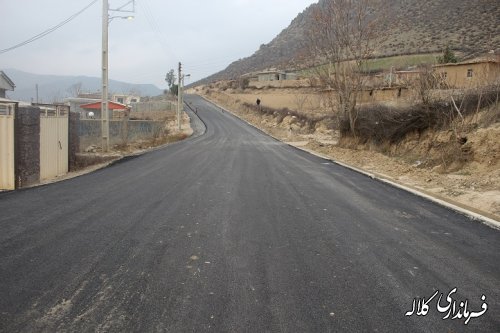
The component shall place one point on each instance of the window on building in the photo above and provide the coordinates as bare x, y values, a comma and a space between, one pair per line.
469, 72
120, 100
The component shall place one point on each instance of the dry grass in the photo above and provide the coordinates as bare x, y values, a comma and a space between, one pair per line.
380, 123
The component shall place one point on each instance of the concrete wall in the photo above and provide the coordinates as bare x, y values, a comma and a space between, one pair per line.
153, 106
27, 145
120, 131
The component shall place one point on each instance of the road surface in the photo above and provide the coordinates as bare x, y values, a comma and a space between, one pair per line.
233, 231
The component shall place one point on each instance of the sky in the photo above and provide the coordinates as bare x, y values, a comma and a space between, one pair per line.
205, 35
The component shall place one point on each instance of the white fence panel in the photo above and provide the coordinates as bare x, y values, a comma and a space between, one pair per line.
7, 173
53, 145
7, 177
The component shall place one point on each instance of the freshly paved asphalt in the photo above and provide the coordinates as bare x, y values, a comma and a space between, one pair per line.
232, 231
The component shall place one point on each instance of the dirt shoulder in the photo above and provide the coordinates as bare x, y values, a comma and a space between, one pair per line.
474, 186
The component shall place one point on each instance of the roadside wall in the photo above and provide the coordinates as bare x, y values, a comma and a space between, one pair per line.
120, 131
153, 106
394, 95
280, 84
27, 141
74, 139
317, 103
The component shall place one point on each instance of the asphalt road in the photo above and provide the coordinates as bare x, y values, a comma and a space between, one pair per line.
232, 231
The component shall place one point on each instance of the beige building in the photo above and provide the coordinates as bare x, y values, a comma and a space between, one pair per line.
470, 74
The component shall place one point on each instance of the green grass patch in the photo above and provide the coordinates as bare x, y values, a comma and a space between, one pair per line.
401, 62
385, 64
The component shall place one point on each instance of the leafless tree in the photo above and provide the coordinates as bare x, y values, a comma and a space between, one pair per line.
75, 89
342, 41
426, 83
300, 101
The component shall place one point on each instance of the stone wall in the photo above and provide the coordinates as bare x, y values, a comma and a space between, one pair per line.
27, 145
73, 140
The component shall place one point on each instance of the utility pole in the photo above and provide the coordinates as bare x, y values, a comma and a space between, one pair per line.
106, 19
179, 97
104, 104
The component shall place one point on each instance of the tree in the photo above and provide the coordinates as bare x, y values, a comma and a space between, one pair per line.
342, 40
75, 89
447, 57
174, 89
170, 78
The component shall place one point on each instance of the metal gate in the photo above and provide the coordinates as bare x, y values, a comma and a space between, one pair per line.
53, 141
7, 171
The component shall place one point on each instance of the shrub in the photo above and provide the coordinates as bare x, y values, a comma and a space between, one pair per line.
380, 123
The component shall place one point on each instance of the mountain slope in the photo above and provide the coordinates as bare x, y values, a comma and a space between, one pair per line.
55, 88
416, 26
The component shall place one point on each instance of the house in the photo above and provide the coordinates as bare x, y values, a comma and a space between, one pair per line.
406, 77
471, 73
125, 99
77, 103
273, 78
270, 75
6, 84
95, 108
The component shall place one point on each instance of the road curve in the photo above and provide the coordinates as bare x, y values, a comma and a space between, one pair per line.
233, 231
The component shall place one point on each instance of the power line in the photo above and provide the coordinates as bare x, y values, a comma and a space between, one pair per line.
155, 28
48, 31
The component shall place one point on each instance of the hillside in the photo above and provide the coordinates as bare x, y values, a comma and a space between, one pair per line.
55, 88
416, 26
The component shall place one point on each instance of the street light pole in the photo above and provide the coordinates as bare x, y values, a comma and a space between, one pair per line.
105, 75
179, 97
104, 102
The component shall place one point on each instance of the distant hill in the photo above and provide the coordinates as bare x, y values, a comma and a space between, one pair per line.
416, 26
55, 88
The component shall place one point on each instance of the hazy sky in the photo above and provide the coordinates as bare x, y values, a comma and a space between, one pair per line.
205, 35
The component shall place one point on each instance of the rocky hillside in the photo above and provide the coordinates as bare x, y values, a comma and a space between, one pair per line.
416, 26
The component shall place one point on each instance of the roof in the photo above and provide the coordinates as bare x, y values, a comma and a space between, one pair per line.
470, 62
270, 71
409, 72
20, 103
5, 82
82, 100
98, 105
